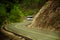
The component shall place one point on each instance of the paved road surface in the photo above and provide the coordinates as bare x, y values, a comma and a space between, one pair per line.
33, 33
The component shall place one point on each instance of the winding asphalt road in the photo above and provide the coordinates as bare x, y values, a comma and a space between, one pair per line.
33, 33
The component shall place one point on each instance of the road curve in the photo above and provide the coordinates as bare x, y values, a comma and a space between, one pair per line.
33, 33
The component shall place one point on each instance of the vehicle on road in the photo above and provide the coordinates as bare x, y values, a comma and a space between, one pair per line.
29, 18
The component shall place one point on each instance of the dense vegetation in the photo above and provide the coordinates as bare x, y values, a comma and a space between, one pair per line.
17, 10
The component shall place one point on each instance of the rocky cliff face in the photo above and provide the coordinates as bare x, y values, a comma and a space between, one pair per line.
48, 17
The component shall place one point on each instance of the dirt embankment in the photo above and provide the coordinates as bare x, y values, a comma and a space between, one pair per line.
6, 35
